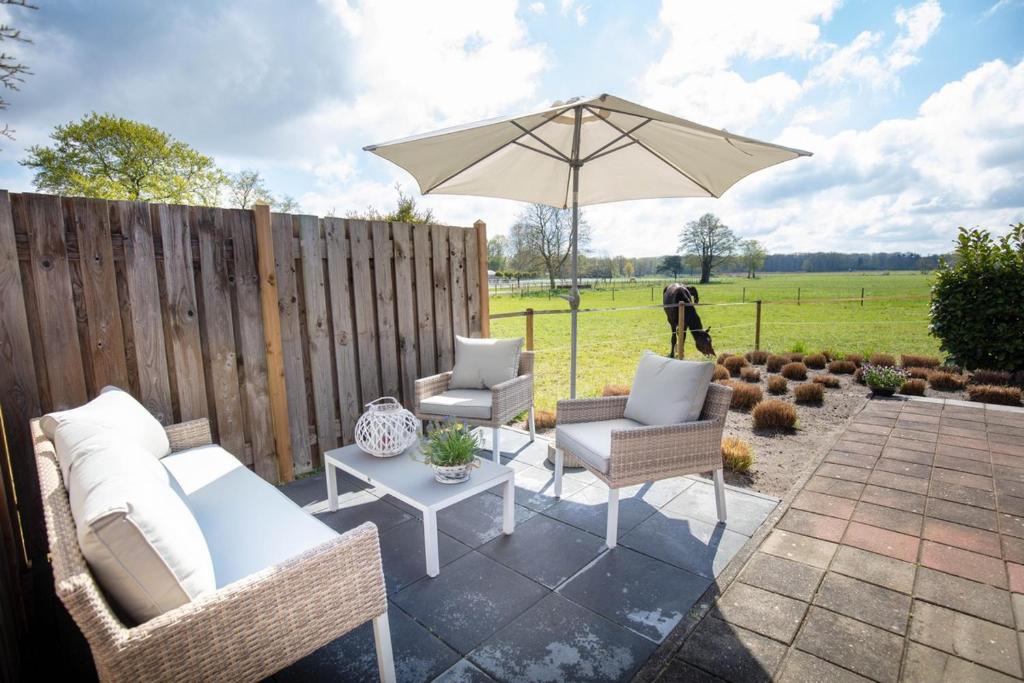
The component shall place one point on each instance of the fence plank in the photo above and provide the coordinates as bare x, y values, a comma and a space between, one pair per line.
366, 321
424, 299
445, 352
218, 322
345, 353
472, 289
405, 287
291, 341
457, 266
318, 333
143, 294
51, 278
387, 334
181, 309
252, 354
105, 337
482, 284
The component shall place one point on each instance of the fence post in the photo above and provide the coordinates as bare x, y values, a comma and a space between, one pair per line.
652, 293
529, 329
485, 291
744, 295
757, 327
681, 330
862, 297
797, 296
271, 314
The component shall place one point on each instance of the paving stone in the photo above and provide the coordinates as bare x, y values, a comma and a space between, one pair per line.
1008, 487
851, 644
814, 525
805, 549
545, 550
587, 509
1011, 525
909, 469
901, 500
801, 667
926, 665
556, 640
963, 442
906, 455
898, 481
477, 520
844, 472
851, 459
963, 431
471, 599
1017, 600
745, 512
914, 434
978, 599
1009, 430
950, 462
1011, 505
732, 653
858, 447
1016, 574
834, 487
1007, 473
779, 575
964, 453
882, 541
463, 672
535, 488
1013, 550
867, 428
760, 611
877, 439
678, 671
962, 514
962, 494
888, 518
961, 536
687, 543
1013, 451
911, 444
979, 641
638, 592
877, 419
360, 508
402, 552
418, 655
884, 571
824, 504
865, 602
963, 563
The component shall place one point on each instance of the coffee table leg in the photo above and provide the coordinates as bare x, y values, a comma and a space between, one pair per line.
509, 515
430, 542
331, 476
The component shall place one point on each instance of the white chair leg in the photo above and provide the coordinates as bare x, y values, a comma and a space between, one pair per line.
559, 459
720, 494
496, 444
533, 426
382, 643
612, 534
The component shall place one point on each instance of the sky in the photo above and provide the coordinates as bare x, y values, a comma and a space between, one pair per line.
914, 111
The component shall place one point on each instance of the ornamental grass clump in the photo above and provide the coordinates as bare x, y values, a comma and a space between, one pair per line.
829, 381
815, 361
734, 364
913, 361
914, 387
777, 385
795, 357
795, 371
750, 374
809, 393
744, 396
721, 372
946, 381
544, 419
854, 358
774, 362
774, 414
757, 357
987, 393
882, 359
737, 455
991, 377
842, 367
884, 379
858, 376
917, 372
615, 390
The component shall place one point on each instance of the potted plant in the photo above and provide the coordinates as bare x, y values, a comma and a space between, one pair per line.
450, 448
884, 380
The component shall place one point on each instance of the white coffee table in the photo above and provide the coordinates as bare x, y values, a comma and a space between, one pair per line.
413, 483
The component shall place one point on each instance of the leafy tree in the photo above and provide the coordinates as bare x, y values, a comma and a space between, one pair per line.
246, 188
541, 238
496, 248
628, 269
12, 71
710, 241
111, 157
976, 301
286, 204
752, 256
672, 264
406, 211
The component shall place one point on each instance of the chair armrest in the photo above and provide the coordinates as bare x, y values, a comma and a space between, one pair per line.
591, 409
431, 386
511, 397
191, 434
660, 449
256, 626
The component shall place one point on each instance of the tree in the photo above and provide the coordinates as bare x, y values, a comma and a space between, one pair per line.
246, 188
672, 264
628, 269
542, 237
496, 249
110, 157
710, 241
406, 211
12, 72
752, 256
286, 204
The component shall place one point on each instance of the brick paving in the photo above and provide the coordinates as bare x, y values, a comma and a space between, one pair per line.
901, 559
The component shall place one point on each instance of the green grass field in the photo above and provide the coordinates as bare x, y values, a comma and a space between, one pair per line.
611, 342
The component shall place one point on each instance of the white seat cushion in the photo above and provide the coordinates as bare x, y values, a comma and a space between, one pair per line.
249, 525
471, 403
667, 391
483, 363
592, 441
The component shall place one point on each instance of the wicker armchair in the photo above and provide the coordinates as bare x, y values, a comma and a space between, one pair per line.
644, 454
508, 399
245, 631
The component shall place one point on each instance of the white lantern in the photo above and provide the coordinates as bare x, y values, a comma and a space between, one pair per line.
386, 428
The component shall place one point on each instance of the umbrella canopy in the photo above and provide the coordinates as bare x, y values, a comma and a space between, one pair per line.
581, 152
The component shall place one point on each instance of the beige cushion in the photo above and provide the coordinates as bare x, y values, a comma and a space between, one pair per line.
591, 442
73, 431
667, 391
471, 403
483, 363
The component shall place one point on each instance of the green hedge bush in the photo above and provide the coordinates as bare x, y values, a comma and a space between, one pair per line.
978, 301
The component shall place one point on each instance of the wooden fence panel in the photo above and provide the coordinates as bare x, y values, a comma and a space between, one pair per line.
405, 286
366, 320
425, 300
387, 332
340, 280
445, 351
318, 333
473, 308
457, 264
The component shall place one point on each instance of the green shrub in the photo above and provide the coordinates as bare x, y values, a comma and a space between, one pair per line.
884, 377
976, 301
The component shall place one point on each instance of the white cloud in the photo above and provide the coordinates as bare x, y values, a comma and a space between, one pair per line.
917, 25
576, 9
538, 8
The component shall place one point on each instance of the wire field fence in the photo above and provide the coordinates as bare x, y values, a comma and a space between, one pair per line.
611, 339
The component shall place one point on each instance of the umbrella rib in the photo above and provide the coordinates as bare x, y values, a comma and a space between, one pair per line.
538, 151
597, 152
554, 149
595, 156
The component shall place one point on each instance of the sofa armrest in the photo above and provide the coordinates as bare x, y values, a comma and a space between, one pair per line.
431, 386
689, 447
511, 397
191, 434
591, 409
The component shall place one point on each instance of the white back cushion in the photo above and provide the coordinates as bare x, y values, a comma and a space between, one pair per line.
72, 431
667, 391
483, 363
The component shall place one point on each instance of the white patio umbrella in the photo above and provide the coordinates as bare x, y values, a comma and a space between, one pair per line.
580, 152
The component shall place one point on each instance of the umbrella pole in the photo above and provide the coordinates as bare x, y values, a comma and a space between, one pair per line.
574, 293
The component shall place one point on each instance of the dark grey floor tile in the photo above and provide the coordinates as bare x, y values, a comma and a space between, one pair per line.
401, 548
464, 671
535, 488
473, 597
419, 656
311, 492
557, 640
636, 591
745, 512
690, 544
544, 549
363, 507
678, 671
587, 509
477, 520
732, 653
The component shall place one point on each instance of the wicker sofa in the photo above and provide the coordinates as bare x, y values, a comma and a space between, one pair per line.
247, 629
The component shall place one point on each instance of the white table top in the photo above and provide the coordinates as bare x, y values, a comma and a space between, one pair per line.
413, 481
